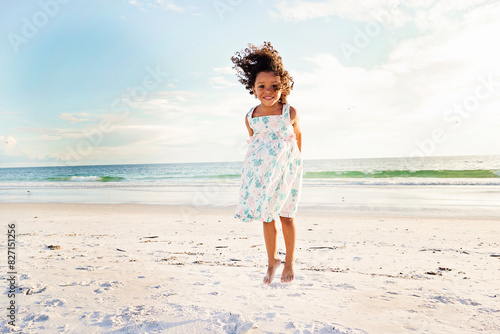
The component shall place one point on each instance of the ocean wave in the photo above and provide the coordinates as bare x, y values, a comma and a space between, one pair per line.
400, 182
440, 174
226, 176
90, 178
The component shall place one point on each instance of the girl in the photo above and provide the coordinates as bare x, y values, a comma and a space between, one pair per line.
271, 179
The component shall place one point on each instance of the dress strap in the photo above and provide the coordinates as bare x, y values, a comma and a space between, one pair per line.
249, 116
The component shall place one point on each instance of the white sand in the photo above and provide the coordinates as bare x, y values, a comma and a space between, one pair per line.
203, 272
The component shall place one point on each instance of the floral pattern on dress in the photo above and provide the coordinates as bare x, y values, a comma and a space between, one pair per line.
271, 179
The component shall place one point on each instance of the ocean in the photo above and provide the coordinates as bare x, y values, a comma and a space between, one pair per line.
464, 170
342, 183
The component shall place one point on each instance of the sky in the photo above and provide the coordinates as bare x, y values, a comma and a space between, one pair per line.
143, 81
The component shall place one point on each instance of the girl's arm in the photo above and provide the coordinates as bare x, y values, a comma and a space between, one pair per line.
294, 118
250, 131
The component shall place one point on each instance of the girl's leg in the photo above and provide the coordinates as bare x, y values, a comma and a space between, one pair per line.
270, 236
288, 226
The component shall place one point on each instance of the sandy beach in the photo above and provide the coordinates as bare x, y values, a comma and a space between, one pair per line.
129, 268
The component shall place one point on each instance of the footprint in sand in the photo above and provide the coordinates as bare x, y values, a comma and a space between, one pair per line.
36, 318
333, 328
107, 286
232, 323
54, 302
345, 286
468, 302
89, 268
82, 283
296, 294
31, 290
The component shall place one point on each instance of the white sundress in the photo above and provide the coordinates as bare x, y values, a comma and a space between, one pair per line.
271, 179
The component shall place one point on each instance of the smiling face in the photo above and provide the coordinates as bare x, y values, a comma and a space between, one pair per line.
267, 88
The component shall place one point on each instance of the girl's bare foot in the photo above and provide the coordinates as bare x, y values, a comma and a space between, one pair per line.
271, 269
288, 275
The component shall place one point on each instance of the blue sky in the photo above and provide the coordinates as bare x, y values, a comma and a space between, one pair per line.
131, 81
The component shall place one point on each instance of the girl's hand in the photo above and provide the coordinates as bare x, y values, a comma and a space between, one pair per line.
294, 119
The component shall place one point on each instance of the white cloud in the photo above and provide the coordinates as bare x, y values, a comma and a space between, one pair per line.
224, 70
446, 15
220, 82
162, 103
12, 155
427, 15
75, 117
384, 111
376, 10
223, 78
9, 146
169, 5
52, 134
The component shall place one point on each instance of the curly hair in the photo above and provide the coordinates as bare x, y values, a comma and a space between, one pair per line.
253, 60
